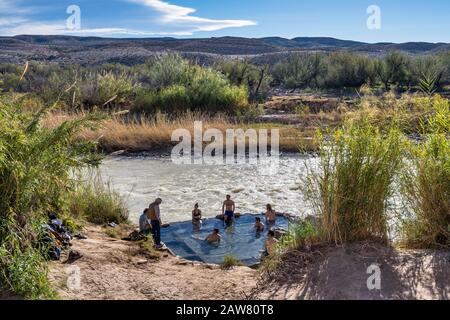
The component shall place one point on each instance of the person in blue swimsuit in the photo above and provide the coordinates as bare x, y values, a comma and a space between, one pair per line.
228, 209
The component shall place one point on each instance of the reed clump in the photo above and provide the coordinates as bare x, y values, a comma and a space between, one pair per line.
426, 184
351, 188
97, 202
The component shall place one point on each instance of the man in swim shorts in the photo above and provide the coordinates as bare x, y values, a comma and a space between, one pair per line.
228, 209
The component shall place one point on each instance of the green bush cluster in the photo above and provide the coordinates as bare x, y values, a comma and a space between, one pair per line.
340, 70
182, 87
426, 184
361, 166
97, 202
36, 178
166, 83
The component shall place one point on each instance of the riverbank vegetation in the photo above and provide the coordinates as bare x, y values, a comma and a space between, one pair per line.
36, 179
55, 119
372, 183
141, 133
170, 84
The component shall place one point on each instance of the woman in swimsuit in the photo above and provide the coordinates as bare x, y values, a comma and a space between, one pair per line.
196, 215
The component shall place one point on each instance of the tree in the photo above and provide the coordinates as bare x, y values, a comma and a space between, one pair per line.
241, 72
300, 70
392, 69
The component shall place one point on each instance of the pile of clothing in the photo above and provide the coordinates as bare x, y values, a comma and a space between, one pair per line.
56, 237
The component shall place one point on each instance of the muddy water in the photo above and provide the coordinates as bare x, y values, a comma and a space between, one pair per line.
142, 179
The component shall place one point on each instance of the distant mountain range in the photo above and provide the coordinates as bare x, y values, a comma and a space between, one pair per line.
92, 50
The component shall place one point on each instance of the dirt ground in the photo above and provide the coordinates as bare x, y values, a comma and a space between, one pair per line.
113, 269
342, 273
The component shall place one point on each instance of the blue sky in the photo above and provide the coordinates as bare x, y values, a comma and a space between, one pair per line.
401, 20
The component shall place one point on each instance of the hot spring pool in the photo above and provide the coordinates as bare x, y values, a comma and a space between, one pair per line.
240, 240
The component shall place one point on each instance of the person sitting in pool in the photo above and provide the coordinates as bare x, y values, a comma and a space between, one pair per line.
271, 215
271, 243
228, 209
259, 226
214, 237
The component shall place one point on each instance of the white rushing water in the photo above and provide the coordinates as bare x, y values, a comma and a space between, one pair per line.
142, 179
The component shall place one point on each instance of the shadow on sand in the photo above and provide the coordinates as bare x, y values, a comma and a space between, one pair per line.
340, 273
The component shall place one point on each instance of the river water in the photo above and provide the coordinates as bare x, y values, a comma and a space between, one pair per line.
142, 179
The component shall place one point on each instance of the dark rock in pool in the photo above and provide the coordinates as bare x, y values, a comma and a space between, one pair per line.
239, 240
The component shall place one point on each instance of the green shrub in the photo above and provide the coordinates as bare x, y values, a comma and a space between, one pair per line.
351, 188
97, 203
164, 70
35, 167
230, 261
299, 235
426, 184
106, 88
205, 90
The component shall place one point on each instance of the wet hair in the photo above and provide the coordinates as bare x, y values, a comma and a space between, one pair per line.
196, 205
269, 207
271, 233
216, 230
158, 200
228, 196
258, 219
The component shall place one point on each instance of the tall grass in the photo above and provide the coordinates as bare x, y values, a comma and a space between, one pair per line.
35, 166
97, 202
353, 182
230, 261
300, 234
426, 184
142, 133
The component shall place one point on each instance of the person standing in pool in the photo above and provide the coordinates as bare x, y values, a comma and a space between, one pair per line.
196, 215
154, 215
228, 209
271, 215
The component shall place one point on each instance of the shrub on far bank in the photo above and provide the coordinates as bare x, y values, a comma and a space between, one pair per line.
97, 203
205, 90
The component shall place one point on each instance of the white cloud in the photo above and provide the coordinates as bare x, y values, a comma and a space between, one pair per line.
178, 21
20, 27
178, 16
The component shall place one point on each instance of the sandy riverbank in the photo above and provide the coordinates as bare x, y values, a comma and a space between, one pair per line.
113, 269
